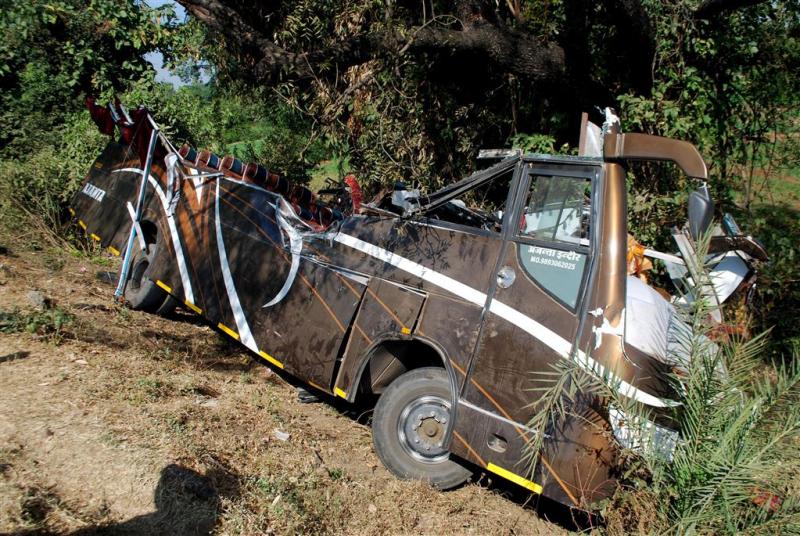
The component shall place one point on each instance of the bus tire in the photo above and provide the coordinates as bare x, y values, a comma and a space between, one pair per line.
409, 426
168, 306
141, 292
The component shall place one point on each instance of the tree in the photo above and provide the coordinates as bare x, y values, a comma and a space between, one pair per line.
477, 71
53, 53
411, 90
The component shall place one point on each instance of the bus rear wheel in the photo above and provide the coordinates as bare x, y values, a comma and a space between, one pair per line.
141, 292
409, 427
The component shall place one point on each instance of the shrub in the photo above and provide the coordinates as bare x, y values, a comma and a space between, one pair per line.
733, 469
48, 324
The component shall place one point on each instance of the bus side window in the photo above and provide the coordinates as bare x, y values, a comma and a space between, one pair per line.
557, 210
554, 234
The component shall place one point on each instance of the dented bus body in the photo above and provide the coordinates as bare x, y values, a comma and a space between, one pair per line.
443, 311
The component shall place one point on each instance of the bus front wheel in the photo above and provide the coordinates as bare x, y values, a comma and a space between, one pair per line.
409, 427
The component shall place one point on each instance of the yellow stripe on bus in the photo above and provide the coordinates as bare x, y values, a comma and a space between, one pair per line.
113, 250
339, 392
516, 479
269, 358
228, 330
83, 225
95, 237
193, 307
164, 286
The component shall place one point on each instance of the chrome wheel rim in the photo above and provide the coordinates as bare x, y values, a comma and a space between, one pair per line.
422, 426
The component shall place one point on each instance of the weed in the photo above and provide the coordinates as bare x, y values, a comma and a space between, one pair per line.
265, 486
90, 251
124, 314
48, 324
177, 424
335, 473
153, 389
53, 261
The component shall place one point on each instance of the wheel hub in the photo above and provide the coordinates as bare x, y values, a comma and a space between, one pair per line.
422, 427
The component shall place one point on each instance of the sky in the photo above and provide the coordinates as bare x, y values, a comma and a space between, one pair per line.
156, 58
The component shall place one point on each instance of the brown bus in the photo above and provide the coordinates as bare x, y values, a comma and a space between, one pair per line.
440, 305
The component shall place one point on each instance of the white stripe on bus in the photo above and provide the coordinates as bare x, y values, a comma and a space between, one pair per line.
551, 339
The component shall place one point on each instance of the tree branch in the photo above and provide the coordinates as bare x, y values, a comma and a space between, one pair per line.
515, 52
511, 51
268, 59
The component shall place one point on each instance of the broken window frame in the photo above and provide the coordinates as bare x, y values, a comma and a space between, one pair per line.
510, 166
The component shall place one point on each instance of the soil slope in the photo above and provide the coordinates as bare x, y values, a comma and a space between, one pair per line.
123, 422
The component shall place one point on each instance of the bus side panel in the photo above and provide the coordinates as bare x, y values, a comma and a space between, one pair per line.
247, 263
184, 263
388, 312
452, 323
482, 438
577, 463
308, 328
100, 203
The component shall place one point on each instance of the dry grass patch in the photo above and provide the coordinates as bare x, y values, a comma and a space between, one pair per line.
131, 423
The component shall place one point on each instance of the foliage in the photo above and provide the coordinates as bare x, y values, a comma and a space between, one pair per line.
778, 294
48, 323
727, 85
533, 143
397, 117
732, 470
40, 184
245, 122
53, 53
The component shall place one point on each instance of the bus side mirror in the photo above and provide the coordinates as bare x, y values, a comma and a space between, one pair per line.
701, 211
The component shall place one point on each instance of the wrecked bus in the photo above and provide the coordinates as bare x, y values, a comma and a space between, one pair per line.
443, 306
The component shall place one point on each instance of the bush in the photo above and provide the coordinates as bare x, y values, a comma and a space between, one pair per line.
35, 187
733, 468
38, 185
235, 120
777, 297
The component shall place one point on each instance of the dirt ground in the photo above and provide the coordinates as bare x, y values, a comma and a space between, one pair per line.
127, 423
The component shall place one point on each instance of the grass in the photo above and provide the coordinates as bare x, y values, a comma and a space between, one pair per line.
48, 324
334, 169
136, 388
780, 189
783, 188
